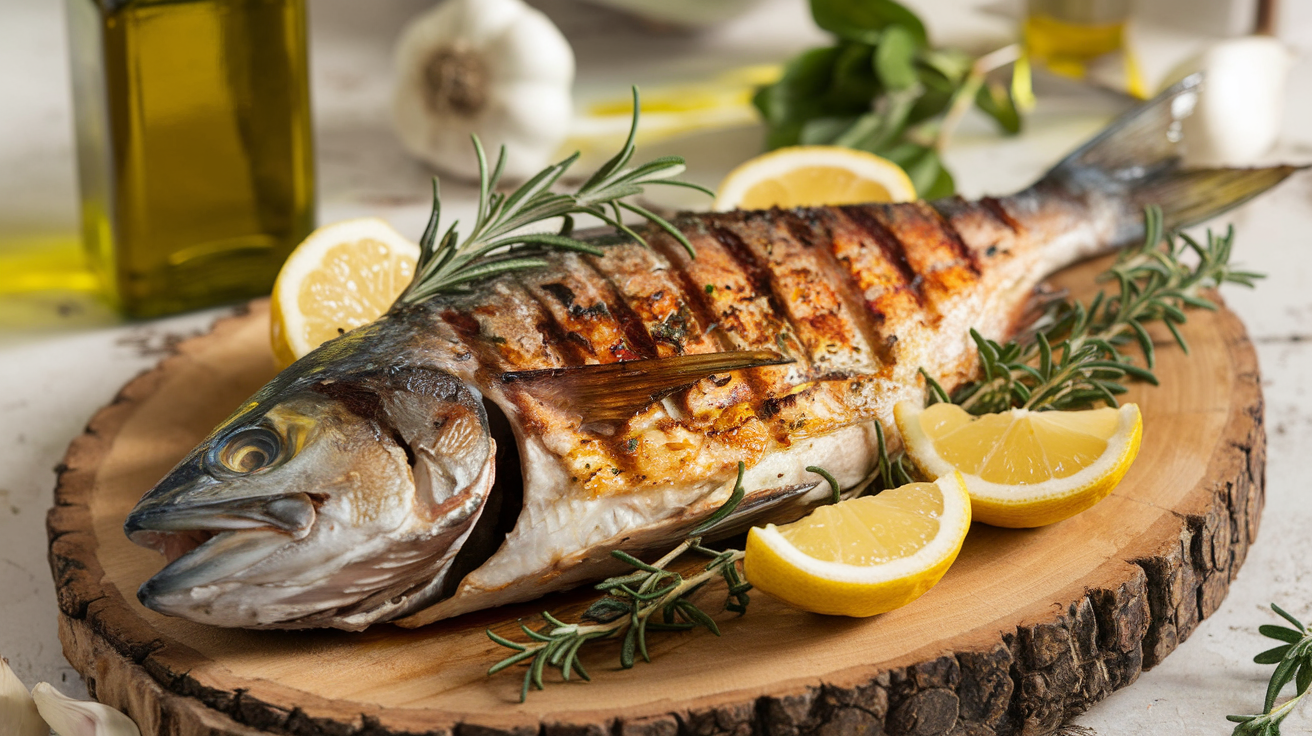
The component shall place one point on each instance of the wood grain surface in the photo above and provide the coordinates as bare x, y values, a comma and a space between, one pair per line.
1028, 628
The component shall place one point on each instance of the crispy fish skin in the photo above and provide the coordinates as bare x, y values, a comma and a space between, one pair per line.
406, 509
858, 297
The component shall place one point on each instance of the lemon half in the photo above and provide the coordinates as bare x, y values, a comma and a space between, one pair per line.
342, 276
808, 176
865, 555
1024, 468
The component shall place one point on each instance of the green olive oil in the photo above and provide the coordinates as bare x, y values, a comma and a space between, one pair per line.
195, 156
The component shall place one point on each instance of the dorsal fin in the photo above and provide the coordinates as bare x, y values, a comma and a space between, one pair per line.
617, 391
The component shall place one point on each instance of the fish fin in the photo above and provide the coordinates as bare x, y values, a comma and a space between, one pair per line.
617, 391
1190, 196
754, 510
1138, 157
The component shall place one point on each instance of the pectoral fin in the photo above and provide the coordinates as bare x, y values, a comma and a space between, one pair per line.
617, 391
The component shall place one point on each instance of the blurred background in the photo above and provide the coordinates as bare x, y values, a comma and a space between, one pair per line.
698, 64
1039, 78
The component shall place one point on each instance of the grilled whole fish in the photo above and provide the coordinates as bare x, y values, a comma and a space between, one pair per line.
482, 449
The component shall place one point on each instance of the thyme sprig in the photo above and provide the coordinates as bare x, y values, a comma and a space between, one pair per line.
1073, 358
630, 609
1293, 661
496, 245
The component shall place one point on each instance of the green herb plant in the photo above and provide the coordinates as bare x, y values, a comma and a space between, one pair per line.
882, 88
1293, 661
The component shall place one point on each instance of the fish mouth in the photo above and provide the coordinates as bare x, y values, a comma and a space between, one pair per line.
203, 568
205, 544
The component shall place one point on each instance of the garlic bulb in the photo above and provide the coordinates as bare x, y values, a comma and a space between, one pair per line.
69, 717
18, 713
496, 68
1239, 113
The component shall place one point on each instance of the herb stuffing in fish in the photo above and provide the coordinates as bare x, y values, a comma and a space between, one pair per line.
517, 415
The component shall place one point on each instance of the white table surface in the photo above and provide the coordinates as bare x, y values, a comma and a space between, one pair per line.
55, 374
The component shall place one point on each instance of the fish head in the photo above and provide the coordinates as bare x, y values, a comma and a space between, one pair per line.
326, 501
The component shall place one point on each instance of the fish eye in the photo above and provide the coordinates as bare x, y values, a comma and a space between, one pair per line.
250, 450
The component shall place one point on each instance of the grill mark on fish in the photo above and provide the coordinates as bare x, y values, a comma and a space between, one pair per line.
575, 302
944, 275
890, 246
893, 306
994, 207
821, 321
953, 236
692, 295
761, 280
707, 397
632, 324
546, 325
499, 330
804, 231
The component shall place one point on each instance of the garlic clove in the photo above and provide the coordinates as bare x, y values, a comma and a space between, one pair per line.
533, 121
529, 53
18, 713
1239, 113
69, 717
498, 69
484, 21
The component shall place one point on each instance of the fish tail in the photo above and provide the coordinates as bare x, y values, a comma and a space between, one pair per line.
1136, 162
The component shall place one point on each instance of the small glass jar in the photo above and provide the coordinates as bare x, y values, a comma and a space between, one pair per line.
1069, 37
194, 146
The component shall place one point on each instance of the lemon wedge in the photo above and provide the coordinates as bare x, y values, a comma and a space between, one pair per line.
808, 176
865, 555
1024, 468
342, 276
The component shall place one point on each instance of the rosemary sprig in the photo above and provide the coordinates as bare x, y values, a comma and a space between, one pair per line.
629, 609
631, 602
1073, 358
495, 245
1293, 661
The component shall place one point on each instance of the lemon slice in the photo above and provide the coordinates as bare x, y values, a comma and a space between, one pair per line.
865, 555
1024, 468
342, 276
808, 176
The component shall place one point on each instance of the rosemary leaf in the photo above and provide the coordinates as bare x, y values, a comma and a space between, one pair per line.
626, 612
495, 244
1293, 662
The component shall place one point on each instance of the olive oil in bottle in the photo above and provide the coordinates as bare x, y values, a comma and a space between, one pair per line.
1083, 39
195, 156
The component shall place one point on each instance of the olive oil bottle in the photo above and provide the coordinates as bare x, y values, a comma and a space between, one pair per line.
1084, 39
194, 148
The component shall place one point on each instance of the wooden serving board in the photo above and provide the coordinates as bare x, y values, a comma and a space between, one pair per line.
1028, 628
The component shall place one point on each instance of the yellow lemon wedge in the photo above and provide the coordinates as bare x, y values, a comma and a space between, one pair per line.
342, 276
1024, 468
866, 555
808, 176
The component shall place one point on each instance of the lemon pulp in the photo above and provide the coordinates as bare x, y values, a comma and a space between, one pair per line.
872, 530
1024, 468
866, 555
808, 186
341, 277
808, 176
